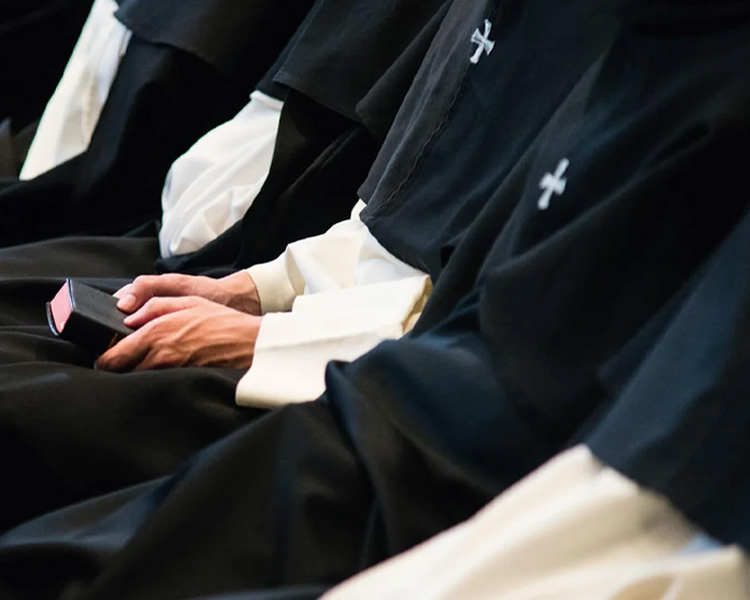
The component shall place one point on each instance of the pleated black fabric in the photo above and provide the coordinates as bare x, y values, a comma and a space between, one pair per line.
634, 222
233, 37
346, 48
680, 420
306, 495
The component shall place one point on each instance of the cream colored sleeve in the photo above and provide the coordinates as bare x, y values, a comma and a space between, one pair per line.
573, 530
212, 185
331, 297
323, 263
72, 113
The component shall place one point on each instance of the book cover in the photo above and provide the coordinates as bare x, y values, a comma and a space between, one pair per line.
87, 317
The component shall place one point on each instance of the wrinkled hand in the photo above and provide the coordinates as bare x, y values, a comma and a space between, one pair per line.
235, 291
181, 332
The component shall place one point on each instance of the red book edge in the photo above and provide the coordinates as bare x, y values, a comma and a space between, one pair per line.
61, 307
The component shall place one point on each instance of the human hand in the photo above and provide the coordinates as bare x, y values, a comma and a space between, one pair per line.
182, 332
235, 291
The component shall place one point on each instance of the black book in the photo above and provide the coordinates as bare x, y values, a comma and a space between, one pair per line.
87, 317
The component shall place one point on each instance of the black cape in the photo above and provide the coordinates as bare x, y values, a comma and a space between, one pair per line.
420, 433
347, 71
420, 214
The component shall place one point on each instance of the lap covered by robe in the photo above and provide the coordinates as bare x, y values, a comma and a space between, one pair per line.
68, 431
305, 495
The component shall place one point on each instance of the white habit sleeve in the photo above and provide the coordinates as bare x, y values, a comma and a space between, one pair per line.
213, 184
573, 530
72, 113
331, 297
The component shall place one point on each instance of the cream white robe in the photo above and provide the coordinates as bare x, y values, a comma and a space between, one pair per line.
72, 113
573, 530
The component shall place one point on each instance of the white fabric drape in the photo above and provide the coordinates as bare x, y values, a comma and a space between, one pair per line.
72, 113
573, 530
212, 185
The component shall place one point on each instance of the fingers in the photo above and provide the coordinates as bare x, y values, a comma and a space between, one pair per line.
158, 307
127, 354
138, 351
143, 288
122, 291
185, 331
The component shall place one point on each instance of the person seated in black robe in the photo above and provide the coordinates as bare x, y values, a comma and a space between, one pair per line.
603, 302
31, 273
574, 287
188, 67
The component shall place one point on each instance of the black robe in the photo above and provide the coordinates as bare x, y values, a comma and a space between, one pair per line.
167, 93
21, 301
335, 118
586, 293
347, 72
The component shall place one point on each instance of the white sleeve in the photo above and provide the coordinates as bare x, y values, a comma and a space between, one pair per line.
573, 530
72, 113
322, 263
212, 185
344, 293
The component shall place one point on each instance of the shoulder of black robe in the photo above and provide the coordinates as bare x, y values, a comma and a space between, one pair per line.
589, 271
162, 100
240, 39
36, 39
348, 68
465, 125
346, 48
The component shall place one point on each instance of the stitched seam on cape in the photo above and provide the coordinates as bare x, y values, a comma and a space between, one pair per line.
431, 138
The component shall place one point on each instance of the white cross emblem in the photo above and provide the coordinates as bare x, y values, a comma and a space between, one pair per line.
553, 184
483, 41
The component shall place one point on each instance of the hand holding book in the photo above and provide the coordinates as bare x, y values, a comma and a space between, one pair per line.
170, 326
235, 291
185, 331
